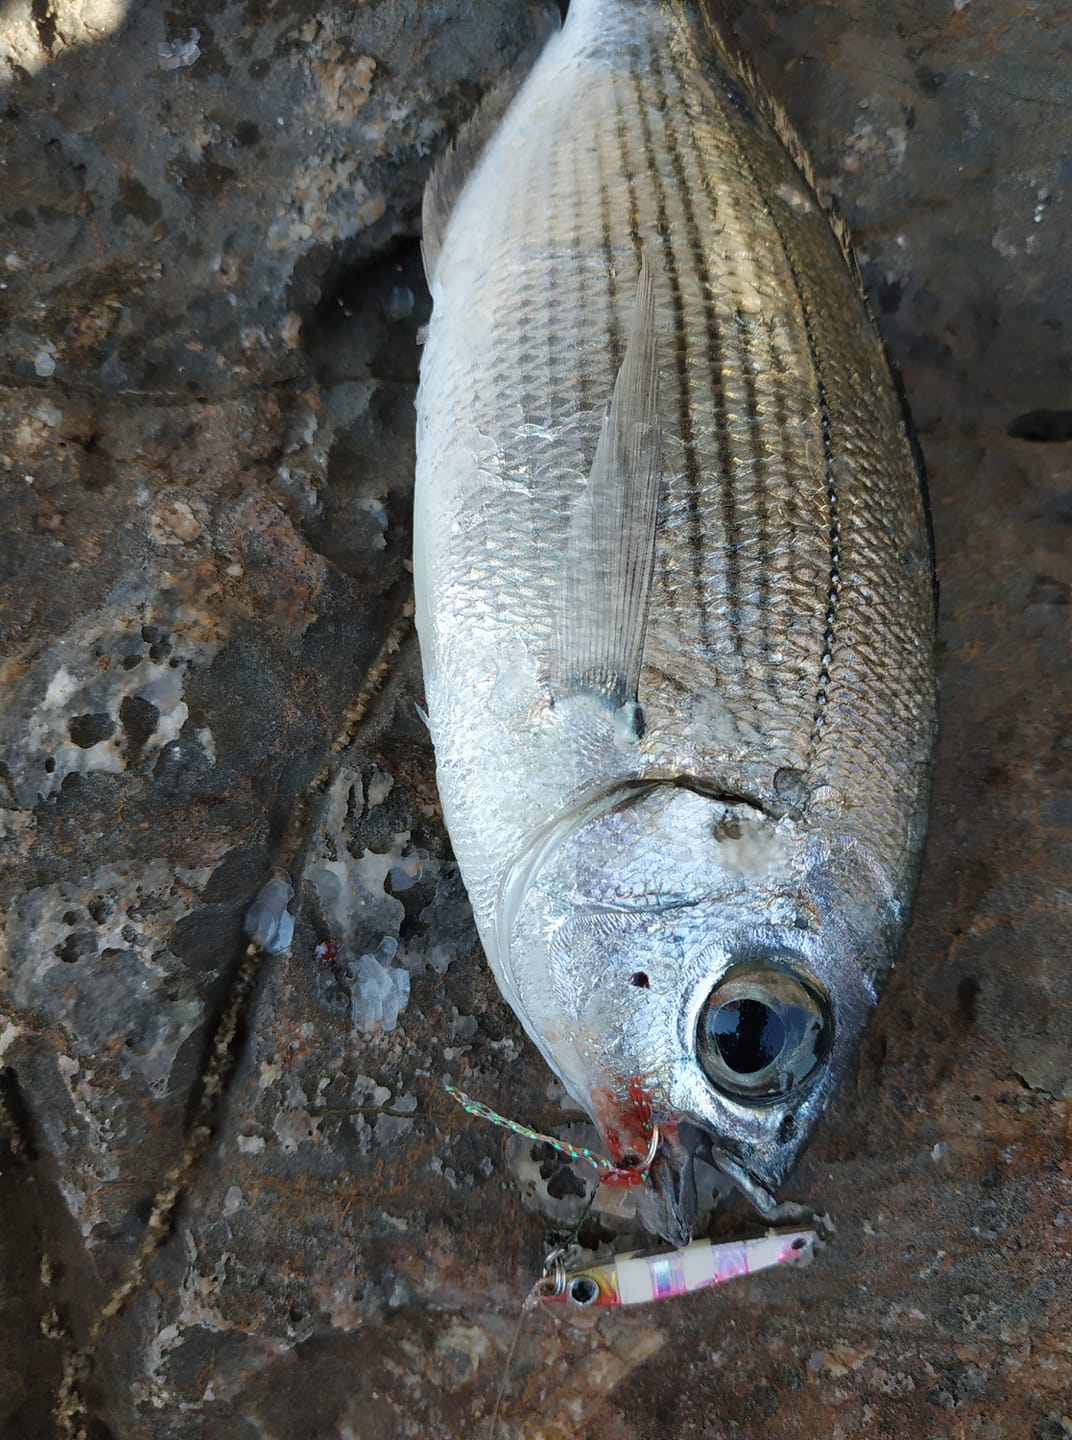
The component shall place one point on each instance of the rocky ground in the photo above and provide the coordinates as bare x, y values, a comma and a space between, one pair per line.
234, 1199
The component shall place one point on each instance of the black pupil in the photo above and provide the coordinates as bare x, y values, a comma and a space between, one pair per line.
749, 1035
583, 1290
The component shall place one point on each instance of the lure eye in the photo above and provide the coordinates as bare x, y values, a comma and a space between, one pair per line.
583, 1290
763, 1030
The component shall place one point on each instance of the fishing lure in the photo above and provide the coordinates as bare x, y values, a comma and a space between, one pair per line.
637, 1278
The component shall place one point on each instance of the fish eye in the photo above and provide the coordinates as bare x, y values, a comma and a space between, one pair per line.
763, 1030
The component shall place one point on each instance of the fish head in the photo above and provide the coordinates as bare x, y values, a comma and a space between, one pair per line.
691, 962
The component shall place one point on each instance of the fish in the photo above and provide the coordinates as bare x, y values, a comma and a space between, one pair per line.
675, 596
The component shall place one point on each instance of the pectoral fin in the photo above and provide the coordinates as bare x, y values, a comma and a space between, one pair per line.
610, 552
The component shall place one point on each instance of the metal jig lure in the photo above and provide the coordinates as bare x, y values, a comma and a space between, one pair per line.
637, 1278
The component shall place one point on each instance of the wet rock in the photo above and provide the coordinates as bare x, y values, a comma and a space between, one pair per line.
206, 436
184, 186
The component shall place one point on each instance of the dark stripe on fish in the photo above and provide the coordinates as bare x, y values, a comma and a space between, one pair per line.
584, 376
699, 259
757, 450
834, 580
550, 337
684, 408
750, 366
607, 233
715, 353
665, 678
788, 461
735, 479
830, 478
627, 171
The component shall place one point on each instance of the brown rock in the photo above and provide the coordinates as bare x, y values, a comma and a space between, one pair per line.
209, 354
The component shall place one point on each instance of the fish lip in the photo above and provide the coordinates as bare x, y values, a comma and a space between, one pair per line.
748, 1184
672, 1187
672, 1190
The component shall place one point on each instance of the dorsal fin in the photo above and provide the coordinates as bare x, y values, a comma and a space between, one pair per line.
740, 67
729, 49
610, 553
459, 160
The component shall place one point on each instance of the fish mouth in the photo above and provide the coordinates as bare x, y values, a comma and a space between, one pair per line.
747, 1183
672, 1199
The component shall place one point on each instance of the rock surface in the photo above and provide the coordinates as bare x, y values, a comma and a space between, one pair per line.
206, 433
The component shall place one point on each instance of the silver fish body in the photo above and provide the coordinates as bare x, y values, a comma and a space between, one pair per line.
674, 597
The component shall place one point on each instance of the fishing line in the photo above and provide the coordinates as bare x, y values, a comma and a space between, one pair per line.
485, 1112
554, 1259
529, 1303
611, 1171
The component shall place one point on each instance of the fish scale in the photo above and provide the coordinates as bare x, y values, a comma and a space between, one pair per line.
730, 450
638, 193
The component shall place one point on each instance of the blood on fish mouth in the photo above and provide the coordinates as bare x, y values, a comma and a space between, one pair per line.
630, 1134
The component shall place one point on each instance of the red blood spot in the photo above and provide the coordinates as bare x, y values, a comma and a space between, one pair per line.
625, 1120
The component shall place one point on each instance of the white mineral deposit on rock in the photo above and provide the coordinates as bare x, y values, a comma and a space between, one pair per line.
103, 695
399, 304
379, 993
268, 923
379, 787
410, 870
295, 1127
179, 53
